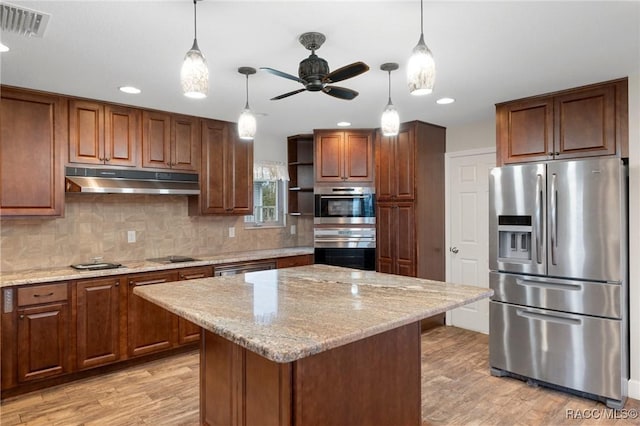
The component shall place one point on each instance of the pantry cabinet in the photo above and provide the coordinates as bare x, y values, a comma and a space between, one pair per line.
170, 141
33, 150
410, 219
582, 122
344, 156
226, 174
101, 133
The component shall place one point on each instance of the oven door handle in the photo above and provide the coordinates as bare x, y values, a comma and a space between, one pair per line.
343, 196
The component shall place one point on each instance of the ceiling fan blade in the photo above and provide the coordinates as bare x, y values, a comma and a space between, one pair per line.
340, 92
346, 72
288, 94
283, 74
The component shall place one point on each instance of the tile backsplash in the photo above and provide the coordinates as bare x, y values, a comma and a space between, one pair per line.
97, 226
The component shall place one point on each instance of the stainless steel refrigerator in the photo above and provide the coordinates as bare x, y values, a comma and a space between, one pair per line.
559, 269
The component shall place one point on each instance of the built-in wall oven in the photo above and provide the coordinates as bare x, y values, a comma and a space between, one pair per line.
345, 227
345, 205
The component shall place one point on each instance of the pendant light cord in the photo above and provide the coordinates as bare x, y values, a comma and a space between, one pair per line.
389, 86
247, 104
421, 19
195, 21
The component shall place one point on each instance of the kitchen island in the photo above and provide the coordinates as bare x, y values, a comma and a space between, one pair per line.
313, 344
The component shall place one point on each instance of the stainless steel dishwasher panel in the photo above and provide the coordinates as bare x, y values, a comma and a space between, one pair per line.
578, 297
575, 351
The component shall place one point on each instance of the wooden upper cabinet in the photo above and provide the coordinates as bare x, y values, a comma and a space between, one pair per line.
33, 151
581, 122
103, 134
226, 176
344, 156
395, 165
170, 141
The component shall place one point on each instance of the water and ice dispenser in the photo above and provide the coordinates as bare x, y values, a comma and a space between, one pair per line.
514, 237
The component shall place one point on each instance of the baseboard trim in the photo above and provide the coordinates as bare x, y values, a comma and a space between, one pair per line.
634, 389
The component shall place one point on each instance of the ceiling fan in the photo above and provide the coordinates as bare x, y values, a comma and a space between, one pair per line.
313, 72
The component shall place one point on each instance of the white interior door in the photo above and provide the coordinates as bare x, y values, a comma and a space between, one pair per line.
468, 232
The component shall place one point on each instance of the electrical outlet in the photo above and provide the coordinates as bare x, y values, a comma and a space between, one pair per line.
232, 232
131, 236
293, 230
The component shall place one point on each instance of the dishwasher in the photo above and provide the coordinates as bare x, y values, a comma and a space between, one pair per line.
242, 267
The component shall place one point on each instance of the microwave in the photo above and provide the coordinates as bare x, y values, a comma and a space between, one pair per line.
345, 205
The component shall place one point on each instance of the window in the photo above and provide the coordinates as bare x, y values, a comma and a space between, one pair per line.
269, 187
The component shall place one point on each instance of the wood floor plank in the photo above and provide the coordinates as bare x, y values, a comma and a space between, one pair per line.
457, 389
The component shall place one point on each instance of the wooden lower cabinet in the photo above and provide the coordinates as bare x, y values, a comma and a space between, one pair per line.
99, 321
150, 328
189, 332
334, 387
43, 341
291, 261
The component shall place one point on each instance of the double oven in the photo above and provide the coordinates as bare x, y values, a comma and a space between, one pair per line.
344, 226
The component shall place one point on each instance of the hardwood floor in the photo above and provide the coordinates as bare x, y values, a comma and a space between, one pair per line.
457, 389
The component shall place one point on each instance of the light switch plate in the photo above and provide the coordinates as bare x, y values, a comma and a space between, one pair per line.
131, 236
293, 230
232, 232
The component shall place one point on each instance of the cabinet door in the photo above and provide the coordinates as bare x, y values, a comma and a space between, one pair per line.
525, 130
240, 178
189, 332
86, 132
43, 340
156, 139
212, 172
185, 137
405, 239
358, 157
385, 167
97, 321
404, 163
385, 237
329, 156
150, 327
122, 135
585, 123
33, 150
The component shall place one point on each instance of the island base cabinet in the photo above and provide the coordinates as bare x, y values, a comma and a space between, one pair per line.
372, 381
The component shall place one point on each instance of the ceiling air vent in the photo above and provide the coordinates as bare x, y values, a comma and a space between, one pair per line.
23, 21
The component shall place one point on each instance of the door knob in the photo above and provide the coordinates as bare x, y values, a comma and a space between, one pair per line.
453, 250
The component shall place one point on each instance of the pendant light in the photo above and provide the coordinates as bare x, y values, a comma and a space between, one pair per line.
421, 69
247, 121
390, 120
194, 75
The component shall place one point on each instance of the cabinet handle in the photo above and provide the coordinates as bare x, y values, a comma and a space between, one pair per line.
21, 316
556, 153
160, 281
191, 277
107, 159
43, 295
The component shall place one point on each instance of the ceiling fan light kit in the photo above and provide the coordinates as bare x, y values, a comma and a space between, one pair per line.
421, 69
194, 74
247, 121
390, 119
314, 74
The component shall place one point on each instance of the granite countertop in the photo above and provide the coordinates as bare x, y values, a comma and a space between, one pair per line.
35, 276
288, 314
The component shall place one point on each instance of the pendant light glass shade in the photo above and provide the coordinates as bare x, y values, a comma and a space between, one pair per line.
421, 69
390, 120
194, 74
247, 121
247, 125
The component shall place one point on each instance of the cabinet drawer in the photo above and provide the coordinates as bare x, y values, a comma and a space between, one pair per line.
36, 295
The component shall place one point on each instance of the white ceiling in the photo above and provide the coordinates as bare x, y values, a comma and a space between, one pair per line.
485, 52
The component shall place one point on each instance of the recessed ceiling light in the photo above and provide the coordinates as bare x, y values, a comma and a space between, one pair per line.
4, 48
130, 89
445, 101
344, 124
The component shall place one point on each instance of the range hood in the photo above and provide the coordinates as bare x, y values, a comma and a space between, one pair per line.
110, 181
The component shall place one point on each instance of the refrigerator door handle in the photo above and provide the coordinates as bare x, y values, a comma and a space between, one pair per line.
557, 318
539, 207
554, 217
549, 284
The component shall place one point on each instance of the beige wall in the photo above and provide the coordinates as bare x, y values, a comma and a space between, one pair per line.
97, 225
472, 136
